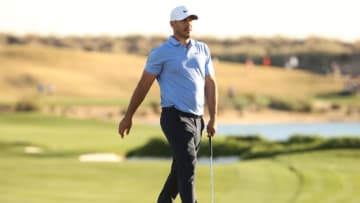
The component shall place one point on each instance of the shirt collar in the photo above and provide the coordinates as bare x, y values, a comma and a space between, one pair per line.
174, 42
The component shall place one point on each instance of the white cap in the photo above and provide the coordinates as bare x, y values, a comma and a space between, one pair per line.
180, 13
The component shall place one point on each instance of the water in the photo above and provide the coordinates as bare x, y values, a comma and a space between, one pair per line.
281, 131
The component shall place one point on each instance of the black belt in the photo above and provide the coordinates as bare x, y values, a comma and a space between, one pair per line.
171, 108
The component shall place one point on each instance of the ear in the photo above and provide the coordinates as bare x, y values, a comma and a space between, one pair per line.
171, 23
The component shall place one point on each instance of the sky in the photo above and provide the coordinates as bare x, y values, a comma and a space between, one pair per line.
338, 19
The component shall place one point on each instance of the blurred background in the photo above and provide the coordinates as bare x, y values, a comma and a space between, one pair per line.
289, 100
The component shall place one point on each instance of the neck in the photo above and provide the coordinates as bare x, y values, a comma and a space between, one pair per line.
182, 40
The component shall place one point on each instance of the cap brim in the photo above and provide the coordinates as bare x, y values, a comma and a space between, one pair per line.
194, 17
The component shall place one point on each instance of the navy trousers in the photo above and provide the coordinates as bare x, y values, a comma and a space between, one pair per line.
183, 132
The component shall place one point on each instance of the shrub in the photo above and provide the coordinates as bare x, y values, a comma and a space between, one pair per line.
154, 148
291, 105
251, 147
155, 107
341, 142
262, 101
27, 105
240, 102
227, 147
247, 138
303, 139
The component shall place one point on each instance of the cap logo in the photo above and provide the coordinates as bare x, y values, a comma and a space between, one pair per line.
185, 11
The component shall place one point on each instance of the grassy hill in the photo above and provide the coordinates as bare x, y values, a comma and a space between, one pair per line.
74, 73
103, 76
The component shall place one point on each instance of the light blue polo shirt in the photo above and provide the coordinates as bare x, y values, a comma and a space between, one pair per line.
181, 74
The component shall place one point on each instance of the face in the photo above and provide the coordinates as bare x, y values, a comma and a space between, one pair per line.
183, 28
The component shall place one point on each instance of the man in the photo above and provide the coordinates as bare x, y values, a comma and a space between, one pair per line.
184, 71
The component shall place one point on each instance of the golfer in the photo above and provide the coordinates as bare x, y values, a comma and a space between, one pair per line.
184, 70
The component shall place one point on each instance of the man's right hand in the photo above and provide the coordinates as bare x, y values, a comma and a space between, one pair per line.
138, 96
125, 126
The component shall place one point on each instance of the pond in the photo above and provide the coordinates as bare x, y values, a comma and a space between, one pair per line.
281, 131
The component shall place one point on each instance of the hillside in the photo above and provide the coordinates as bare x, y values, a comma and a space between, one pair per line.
83, 74
316, 54
73, 73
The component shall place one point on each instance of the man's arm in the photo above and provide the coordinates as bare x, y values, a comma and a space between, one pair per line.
212, 101
137, 98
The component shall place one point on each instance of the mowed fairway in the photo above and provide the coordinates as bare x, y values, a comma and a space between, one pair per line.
56, 175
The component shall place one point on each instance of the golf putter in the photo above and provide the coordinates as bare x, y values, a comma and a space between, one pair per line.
211, 170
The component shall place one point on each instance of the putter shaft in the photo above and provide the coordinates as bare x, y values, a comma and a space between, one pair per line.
211, 171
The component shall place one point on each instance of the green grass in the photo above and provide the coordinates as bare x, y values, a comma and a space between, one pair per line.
32, 179
60, 134
330, 176
313, 177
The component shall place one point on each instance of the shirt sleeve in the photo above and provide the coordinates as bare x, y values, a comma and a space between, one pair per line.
209, 68
153, 63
